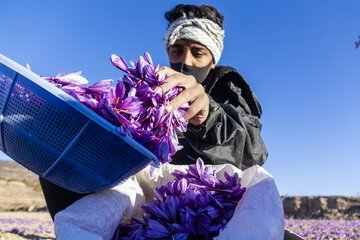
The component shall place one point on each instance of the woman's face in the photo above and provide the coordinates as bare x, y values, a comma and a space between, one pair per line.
190, 53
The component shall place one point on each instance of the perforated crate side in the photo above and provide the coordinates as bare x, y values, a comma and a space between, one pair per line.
68, 176
100, 156
41, 120
6, 79
29, 154
5, 83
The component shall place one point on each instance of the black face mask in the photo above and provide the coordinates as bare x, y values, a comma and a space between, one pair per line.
200, 73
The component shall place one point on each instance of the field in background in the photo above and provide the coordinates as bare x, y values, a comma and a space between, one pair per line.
36, 226
26, 225
325, 228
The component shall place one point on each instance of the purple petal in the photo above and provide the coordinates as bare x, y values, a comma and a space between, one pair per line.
119, 62
180, 236
182, 186
157, 230
172, 204
120, 90
148, 58
72, 78
105, 110
131, 105
140, 66
101, 86
156, 212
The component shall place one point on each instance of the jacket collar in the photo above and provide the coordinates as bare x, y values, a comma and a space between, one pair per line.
226, 73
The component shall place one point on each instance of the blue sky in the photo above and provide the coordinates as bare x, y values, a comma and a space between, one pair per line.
298, 56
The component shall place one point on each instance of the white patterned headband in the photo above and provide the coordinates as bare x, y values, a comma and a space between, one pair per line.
201, 30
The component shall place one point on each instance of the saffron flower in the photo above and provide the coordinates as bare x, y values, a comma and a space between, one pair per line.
195, 205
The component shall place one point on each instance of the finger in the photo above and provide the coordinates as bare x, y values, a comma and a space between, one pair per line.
159, 90
168, 84
198, 110
187, 95
177, 80
165, 71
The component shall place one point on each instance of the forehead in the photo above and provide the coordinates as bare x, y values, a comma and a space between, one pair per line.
184, 43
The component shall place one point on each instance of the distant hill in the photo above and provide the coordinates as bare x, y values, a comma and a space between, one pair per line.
321, 207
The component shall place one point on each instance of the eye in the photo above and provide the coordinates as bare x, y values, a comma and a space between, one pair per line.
198, 53
175, 51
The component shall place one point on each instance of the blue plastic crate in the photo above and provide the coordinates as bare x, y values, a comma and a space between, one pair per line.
55, 136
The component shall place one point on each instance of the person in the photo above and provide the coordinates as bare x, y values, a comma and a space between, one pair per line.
224, 113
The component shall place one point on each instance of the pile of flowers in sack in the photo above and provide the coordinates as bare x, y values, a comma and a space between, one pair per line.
196, 204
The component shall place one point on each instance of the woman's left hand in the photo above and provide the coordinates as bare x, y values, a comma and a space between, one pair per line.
193, 93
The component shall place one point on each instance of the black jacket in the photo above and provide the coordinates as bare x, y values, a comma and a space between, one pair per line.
231, 133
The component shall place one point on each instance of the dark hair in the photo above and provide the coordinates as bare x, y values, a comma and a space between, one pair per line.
194, 11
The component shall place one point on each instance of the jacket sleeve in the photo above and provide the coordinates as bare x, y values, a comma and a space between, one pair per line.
231, 133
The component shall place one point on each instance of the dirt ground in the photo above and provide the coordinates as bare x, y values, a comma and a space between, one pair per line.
23, 212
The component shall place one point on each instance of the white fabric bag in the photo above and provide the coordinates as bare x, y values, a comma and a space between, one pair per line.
258, 215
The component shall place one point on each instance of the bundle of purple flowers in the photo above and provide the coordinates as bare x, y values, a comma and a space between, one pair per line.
132, 104
195, 205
